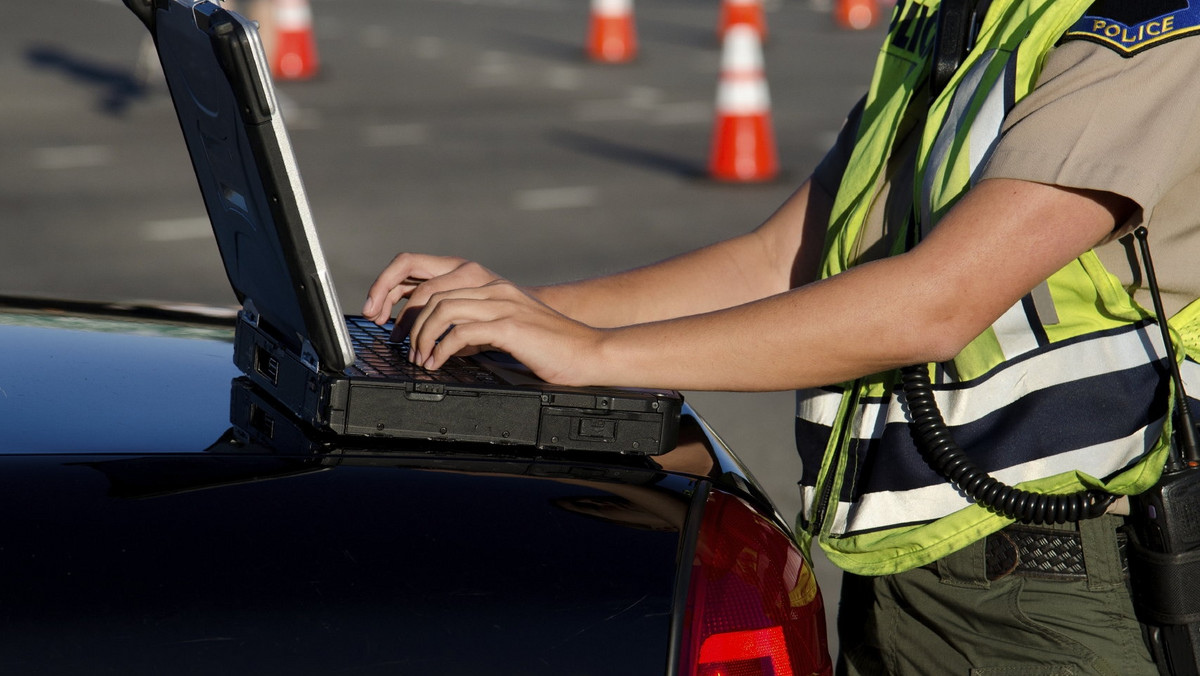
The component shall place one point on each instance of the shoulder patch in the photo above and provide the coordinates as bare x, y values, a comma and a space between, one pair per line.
1131, 27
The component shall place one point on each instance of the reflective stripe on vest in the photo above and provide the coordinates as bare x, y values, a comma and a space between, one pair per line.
985, 127
1067, 390
1018, 422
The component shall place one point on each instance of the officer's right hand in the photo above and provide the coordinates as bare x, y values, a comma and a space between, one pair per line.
416, 277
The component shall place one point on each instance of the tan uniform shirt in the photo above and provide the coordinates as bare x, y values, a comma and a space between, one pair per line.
1099, 121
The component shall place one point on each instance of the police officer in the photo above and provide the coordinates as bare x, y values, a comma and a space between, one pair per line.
978, 227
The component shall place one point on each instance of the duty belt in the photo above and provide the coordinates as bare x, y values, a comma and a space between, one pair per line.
1043, 553
1040, 552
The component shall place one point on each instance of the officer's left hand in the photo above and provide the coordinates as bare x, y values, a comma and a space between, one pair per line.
501, 316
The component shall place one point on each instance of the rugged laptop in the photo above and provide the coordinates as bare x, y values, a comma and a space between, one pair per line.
335, 372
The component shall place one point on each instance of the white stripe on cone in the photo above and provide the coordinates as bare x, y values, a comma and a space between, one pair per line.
293, 15
612, 8
743, 87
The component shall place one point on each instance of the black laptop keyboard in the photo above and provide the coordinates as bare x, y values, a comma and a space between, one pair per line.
378, 357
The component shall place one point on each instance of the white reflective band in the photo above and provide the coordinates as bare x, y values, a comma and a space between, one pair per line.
818, 406
808, 499
742, 52
1076, 361
1043, 303
612, 8
940, 152
840, 515
1190, 371
743, 96
1064, 364
880, 510
985, 130
1013, 332
872, 419
821, 408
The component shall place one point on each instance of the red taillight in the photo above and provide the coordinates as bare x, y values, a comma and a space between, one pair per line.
753, 607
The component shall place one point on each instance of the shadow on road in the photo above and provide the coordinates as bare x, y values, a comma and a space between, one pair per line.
118, 86
628, 154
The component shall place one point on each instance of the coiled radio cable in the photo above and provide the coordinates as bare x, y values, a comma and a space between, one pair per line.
938, 448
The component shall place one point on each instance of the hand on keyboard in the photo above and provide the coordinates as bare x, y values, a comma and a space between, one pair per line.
416, 277
502, 316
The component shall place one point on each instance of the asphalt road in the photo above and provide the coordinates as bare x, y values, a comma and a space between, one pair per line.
468, 127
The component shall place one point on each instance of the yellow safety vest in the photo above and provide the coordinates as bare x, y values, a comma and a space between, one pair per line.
1067, 391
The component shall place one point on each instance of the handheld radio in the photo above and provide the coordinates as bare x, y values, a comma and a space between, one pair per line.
1164, 548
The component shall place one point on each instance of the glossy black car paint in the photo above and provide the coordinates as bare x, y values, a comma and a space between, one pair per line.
146, 533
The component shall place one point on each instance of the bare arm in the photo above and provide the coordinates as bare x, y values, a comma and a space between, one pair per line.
1000, 241
779, 254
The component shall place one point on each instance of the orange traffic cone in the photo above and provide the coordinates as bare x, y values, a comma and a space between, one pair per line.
295, 55
611, 34
856, 14
743, 148
749, 12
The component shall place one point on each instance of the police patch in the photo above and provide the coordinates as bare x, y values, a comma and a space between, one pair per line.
1133, 26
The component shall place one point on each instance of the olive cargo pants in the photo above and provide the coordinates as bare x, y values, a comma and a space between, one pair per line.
965, 615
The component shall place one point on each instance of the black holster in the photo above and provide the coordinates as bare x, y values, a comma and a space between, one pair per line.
1164, 565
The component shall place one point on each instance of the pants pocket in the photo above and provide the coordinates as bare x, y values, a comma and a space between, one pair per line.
1097, 629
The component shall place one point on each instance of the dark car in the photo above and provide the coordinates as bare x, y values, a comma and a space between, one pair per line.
161, 516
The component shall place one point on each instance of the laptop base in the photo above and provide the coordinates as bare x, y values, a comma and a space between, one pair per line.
546, 417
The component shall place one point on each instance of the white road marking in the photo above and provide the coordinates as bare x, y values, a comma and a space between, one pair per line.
645, 103
296, 118
603, 111
566, 78
376, 36
544, 199
389, 135
177, 229
495, 69
429, 47
684, 112
72, 157
644, 97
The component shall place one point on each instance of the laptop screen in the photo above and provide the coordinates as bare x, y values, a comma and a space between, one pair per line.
214, 65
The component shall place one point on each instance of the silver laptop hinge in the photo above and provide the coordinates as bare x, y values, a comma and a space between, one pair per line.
250, 313
309, 356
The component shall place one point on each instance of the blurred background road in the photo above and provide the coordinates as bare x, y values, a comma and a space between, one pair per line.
468, 127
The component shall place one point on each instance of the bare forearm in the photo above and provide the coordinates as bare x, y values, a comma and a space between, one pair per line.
780, 254
819, 334
918, 307
721, 275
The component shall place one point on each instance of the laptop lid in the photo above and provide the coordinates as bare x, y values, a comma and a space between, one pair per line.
217, 73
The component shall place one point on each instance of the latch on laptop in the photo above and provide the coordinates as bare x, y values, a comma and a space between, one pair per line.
309, 356
249, 312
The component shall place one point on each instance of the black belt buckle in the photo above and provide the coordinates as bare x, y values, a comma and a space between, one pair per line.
1028, 551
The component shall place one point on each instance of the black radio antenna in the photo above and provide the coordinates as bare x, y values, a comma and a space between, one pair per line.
1185, 429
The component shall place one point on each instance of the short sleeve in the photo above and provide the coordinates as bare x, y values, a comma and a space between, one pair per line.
1097, 120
